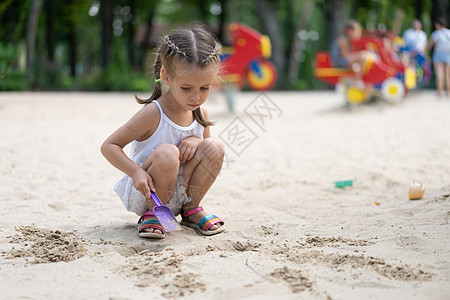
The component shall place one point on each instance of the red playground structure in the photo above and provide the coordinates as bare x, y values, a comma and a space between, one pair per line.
385, 75
246, 61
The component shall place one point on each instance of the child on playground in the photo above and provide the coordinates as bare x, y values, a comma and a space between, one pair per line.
341, 54
172, 151
440, 40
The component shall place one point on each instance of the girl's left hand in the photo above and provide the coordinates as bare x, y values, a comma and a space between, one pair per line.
188, 147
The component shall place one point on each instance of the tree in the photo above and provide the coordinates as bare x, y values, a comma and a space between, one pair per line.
222, 20
418, 9
32, 25
49, 35
106, 10
72, 39
438, 10
303, 20
130, 32
268, 14
335, 19
148, 31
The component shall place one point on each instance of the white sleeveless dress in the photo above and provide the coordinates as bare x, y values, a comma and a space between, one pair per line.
167, 132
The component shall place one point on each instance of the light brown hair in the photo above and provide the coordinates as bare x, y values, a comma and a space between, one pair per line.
194, 46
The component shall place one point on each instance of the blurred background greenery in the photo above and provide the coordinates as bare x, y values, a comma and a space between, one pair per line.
108, 45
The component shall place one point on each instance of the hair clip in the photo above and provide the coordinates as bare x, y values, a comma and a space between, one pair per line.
158, 80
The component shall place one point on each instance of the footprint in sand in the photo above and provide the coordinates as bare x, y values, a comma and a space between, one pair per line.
412, 243
58, 206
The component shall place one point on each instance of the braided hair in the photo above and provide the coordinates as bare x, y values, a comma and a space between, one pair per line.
194, 46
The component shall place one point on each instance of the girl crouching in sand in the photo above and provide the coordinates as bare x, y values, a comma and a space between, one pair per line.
172, 151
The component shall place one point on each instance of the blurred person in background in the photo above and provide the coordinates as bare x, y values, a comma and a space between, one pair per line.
440, 41
415, 38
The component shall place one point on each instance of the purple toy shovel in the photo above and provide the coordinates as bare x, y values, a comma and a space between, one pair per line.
164, 215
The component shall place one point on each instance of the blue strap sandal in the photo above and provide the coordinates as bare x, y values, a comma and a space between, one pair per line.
204, 224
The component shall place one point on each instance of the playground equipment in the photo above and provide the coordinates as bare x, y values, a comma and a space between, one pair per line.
247, 60
386, 75
419, 62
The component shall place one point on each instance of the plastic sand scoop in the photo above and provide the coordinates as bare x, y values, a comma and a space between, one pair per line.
164, 215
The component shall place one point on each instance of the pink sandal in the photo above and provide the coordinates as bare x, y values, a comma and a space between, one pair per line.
150, 224
204, 224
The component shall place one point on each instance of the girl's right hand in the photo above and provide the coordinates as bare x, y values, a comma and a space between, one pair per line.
143, 182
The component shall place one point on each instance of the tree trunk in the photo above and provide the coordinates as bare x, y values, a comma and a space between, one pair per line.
438, 10
32, 24
448, 15
202, 8
335, 17
49, 32
130, 32
289, 23
419, 9
148, 32
106, 8
268, 14
222, 20
303, 21
72, 49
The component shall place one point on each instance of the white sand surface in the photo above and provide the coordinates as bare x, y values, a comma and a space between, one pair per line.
291, 234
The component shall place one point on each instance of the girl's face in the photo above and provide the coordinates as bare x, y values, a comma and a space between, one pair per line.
190, 86
354, 32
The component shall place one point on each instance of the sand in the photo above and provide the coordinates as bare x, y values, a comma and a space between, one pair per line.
291, 233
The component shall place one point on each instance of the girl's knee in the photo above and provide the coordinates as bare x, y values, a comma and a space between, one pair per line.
167, 156
212, 148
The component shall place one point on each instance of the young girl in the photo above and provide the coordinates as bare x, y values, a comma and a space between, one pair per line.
172, 151
341, 54
440, 40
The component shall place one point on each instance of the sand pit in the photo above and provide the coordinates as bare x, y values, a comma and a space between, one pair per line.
291, 233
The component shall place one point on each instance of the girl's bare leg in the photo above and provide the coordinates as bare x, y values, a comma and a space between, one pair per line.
439, 70
162, 165
199, 174
447, 79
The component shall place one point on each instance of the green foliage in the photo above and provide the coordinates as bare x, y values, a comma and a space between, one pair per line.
243, 12
59, 21
117, 76
50, 76
13, 20
113, 79
11, 77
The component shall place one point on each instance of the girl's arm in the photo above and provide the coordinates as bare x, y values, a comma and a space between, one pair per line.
189, 145
139, 127
343, 46
430, 44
